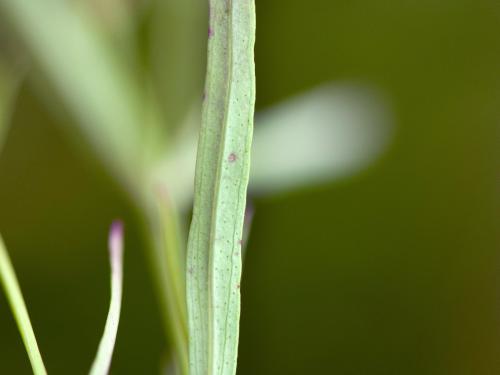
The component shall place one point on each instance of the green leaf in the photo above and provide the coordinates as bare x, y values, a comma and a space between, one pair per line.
102, 360
328, 133
221, 178
14, 296
12, 290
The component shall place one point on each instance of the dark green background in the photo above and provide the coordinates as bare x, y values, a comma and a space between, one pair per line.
393, 271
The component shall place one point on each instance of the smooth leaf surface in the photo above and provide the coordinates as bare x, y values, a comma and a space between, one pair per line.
14, 296
221, 178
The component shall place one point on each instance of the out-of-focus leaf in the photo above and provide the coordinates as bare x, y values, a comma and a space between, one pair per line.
328, 133
12, 290
221, 178
9, 84
88, 74
116, 16
177, 54
102, 360
117, 114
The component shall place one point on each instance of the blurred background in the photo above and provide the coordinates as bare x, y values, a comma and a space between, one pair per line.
389, 268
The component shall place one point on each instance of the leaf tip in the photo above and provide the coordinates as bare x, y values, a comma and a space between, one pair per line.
116, 244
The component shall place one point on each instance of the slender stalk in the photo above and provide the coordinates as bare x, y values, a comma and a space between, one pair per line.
164, 249
175, 284
18, 307
102, 360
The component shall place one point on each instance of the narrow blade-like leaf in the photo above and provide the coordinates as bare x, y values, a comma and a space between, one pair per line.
221, 178
18, 307
102, 361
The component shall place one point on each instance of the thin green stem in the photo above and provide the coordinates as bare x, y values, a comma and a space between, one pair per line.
102, 360
175, 264
162, 232
18, 307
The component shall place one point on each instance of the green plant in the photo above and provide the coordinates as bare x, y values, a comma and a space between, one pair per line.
223, 166
12, 290
151, 153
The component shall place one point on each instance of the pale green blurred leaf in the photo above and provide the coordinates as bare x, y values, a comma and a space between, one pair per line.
331, 132
90, 76
177, 53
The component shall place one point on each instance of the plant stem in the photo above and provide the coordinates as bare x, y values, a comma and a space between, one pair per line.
167, 266
18, 307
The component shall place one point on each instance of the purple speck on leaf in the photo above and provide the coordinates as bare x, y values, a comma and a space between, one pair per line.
210, 32
232, 157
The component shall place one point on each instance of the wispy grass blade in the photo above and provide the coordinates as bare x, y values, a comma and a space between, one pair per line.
18, 307
221, 179
102, 361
